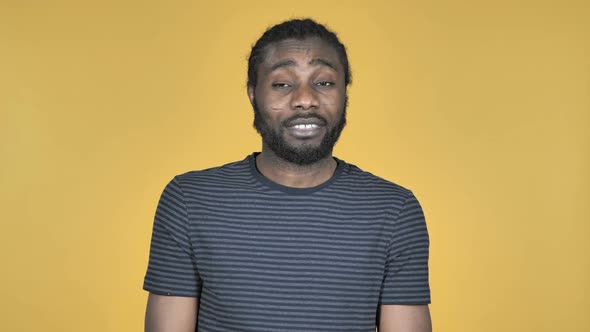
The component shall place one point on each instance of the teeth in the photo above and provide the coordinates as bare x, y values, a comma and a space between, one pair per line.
305, 126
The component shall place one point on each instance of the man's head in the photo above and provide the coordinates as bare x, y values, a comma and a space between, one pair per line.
298, 73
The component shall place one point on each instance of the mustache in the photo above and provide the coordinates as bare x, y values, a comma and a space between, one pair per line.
288, 121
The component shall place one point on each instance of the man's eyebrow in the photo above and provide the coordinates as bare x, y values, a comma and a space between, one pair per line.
322, 62
282, 64
292, 63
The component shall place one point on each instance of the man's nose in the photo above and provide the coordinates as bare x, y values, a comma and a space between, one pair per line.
304, 97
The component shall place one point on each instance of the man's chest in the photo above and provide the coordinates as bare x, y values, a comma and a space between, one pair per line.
276, 248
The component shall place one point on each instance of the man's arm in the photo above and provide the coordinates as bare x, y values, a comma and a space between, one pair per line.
405, 318
171, 313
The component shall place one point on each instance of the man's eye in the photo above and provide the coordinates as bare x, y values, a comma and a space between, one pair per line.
324, 83
281, 85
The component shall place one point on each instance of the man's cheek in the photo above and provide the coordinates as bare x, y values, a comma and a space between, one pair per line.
277, 107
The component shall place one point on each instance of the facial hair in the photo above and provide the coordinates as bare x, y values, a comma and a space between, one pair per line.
302, 155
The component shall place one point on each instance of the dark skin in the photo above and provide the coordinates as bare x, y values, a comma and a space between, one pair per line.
296, 77
299, 77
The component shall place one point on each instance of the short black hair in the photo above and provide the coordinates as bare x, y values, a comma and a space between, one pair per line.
295, 29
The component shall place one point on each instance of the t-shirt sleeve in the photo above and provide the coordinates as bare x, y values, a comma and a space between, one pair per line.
172, 269
406, 268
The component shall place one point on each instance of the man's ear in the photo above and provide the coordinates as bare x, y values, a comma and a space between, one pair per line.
251, 94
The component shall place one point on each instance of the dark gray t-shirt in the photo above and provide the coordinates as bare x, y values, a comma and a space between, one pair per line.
265, 257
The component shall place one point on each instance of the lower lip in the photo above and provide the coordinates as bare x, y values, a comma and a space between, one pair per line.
305, 132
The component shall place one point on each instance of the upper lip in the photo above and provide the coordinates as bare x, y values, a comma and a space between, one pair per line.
306, 121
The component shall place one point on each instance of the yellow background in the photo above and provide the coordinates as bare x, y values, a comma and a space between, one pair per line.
482, 108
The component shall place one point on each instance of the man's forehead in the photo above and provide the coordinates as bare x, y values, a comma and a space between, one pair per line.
300, 49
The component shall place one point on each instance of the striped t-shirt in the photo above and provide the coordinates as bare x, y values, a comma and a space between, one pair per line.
264, 257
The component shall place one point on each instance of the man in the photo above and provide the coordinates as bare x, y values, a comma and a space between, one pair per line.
291, 238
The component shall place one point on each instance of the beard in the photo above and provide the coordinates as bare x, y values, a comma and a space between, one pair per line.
300, 155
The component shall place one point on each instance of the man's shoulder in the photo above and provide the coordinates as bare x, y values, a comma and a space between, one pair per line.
358, 177
233, 172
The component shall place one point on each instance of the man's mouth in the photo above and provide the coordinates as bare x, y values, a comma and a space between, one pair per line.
312, 120
305, 130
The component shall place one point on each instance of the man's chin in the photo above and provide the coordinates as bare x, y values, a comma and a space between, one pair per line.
303, 155
304, 147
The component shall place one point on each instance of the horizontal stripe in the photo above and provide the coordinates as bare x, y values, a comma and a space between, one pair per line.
263, 257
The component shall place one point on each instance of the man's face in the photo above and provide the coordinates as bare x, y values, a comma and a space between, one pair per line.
300, 100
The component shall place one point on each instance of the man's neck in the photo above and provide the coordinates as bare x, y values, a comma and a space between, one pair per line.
292, 175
